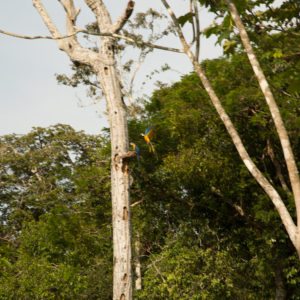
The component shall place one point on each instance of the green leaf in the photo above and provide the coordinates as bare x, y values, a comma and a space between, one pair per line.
277, 53
186, 18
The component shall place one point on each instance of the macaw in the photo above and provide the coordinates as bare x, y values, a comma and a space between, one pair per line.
137, 150
147, 137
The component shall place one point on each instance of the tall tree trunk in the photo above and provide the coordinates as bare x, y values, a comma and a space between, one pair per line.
109, 80
104, 64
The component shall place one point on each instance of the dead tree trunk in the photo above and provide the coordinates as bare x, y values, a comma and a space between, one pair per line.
108, 78
104, 65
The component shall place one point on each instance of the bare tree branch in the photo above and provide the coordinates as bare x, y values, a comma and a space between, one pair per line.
71, 13
136, 203
139, 43
71, 16
36, 37
124, 18
176, 24
146, 44
193, 21
47, 20
68, 45
197, 33
73, 45
102, 16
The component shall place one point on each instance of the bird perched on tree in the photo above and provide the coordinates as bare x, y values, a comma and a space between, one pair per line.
137, 150
147, 137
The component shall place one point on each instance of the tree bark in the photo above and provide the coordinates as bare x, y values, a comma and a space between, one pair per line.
108, 78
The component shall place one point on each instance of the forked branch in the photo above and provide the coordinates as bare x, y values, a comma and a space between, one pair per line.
275, 113
46, 18
102, 15
69, 44
256, 173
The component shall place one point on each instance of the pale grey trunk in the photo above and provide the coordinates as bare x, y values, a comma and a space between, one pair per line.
108, 77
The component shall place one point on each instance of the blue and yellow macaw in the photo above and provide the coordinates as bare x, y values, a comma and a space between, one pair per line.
147, 137
137, 150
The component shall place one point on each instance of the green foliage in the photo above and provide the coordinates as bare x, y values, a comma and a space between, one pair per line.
182, 272
199, 178
186, 18
59, 256
55, 221
261, 18
197, 263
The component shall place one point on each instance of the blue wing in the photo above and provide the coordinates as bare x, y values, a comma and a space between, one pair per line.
136, 149
149, 132
138, 152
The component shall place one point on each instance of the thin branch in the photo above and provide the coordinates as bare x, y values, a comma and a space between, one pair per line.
197, 34
128, 91
141, 59
147, 44
176, 24
153, 263
193, 23
136, 203
118, 36
47, 20
124, 18
36, 37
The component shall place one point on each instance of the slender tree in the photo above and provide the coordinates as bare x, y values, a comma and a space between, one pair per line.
276, 116
103, 63
287, 220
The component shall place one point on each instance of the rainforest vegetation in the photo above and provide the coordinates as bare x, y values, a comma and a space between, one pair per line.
202, 227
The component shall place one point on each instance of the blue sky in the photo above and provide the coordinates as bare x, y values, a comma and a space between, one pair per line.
29, 93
